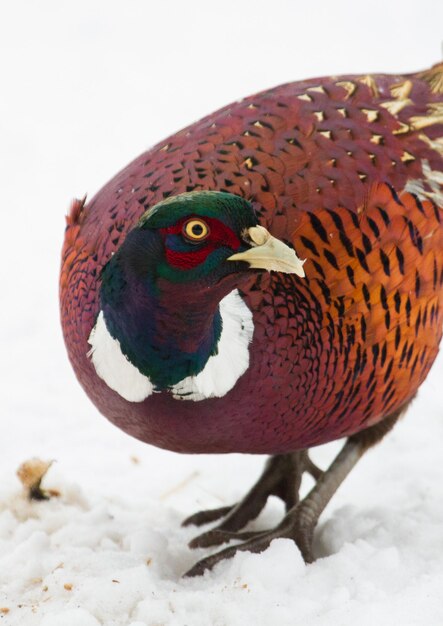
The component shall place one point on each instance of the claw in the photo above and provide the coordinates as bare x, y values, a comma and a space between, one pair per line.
258, 543
209, 562
294, 526
217, 537
204, 517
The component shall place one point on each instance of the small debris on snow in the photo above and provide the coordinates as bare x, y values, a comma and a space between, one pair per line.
31, 474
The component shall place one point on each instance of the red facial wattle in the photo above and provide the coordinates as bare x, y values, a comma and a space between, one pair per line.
220, 235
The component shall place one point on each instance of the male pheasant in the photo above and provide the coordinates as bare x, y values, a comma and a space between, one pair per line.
192, 323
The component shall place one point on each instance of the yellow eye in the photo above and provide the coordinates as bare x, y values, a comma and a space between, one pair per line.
195, 229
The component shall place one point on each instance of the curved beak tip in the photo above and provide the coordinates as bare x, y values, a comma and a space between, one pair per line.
270, 254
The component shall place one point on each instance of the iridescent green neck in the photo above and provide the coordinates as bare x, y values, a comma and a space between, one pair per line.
166, 331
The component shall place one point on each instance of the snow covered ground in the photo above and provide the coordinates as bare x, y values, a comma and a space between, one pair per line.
86, 86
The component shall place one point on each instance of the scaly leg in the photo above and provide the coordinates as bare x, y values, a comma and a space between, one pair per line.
300, 521
281, 477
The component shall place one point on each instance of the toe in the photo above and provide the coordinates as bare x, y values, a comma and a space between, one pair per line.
216, 537
205, 517
257, 543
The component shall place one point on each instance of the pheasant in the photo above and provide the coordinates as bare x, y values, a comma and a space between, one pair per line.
267, 280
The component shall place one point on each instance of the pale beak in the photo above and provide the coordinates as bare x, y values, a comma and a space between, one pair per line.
269, 253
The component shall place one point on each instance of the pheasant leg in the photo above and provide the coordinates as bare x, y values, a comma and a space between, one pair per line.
281, 477
299, 522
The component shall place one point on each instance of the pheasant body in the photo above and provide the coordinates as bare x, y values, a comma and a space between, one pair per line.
349, 171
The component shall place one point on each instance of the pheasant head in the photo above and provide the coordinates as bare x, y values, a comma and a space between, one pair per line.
164, 291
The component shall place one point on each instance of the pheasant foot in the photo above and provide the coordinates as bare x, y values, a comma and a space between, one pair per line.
299, 522
281, 477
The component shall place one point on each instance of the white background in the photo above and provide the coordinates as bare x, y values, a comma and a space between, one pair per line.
84, 88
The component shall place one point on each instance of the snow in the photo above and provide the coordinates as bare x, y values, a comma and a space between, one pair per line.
111, 550
88, 86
